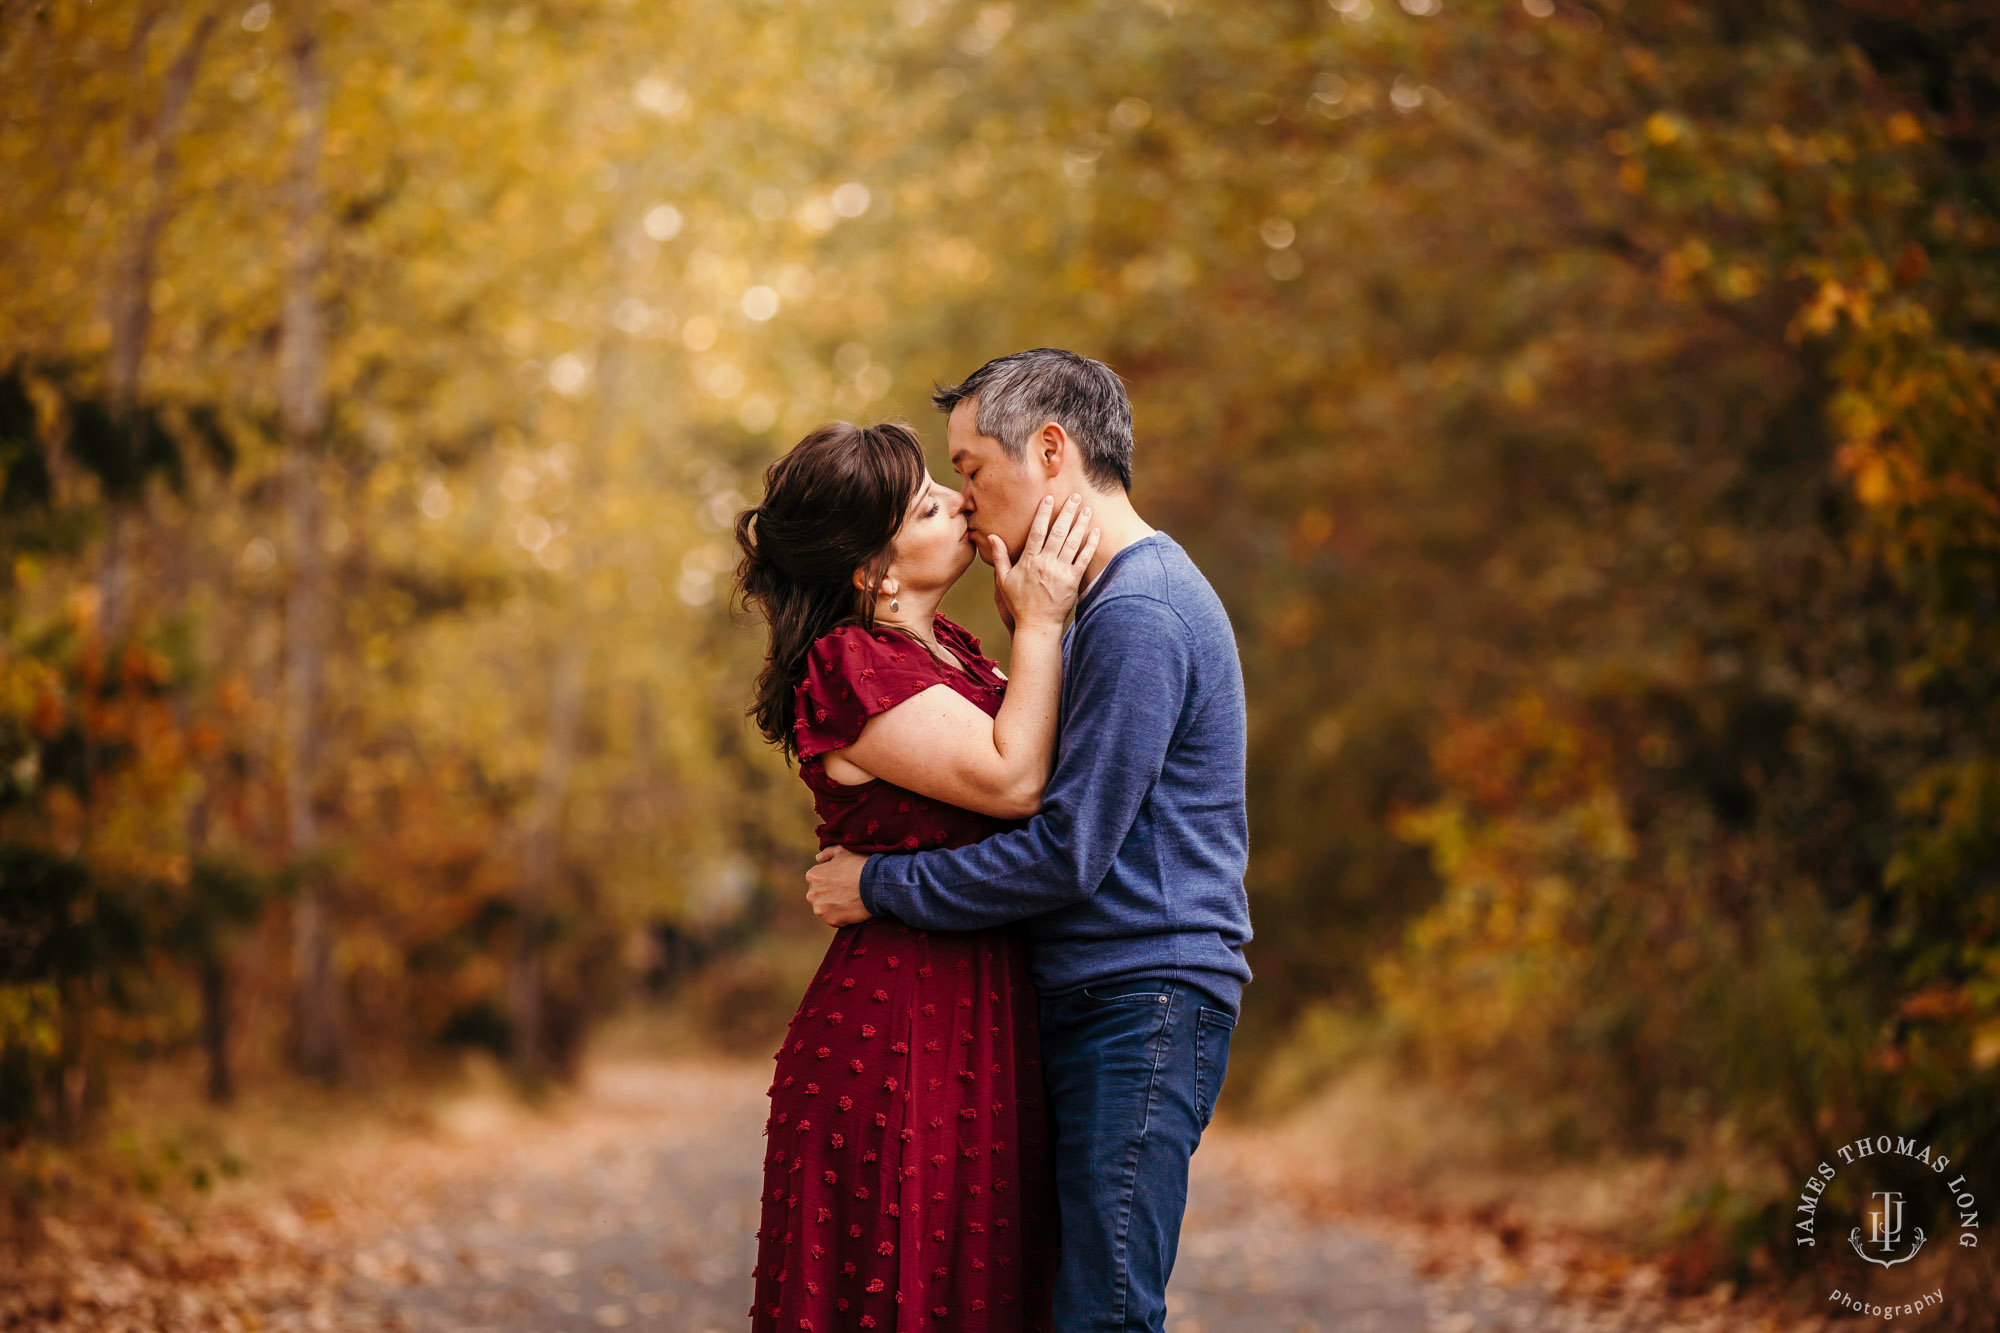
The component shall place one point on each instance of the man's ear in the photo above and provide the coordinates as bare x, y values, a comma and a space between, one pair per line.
1052, 446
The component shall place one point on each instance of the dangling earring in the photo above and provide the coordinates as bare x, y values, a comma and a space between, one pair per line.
894, 605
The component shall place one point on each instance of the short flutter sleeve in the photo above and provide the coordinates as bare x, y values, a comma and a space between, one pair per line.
851, 675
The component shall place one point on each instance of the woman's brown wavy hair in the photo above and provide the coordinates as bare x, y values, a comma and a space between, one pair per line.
831, 506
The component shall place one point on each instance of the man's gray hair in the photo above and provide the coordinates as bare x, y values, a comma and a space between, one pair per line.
1017, 395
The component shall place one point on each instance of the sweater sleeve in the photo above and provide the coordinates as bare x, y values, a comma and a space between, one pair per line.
1127, 693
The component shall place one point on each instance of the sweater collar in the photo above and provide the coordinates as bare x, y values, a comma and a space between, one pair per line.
1104, 576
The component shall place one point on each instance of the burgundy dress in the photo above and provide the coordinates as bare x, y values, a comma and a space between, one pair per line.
906, 1184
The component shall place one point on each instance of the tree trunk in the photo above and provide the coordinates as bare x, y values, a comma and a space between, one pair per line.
215, 1027
320, 1049
540, 855
152, 150
154, 145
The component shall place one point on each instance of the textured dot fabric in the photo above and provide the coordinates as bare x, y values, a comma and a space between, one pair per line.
851, 675
906, 1177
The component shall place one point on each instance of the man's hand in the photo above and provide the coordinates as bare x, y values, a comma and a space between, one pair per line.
833, 887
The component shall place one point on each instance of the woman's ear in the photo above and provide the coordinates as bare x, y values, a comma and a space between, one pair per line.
887, 587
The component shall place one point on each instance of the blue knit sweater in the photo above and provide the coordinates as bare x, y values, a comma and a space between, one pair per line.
1134, 867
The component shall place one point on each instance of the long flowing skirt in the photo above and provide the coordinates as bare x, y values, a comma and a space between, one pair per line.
907, 1182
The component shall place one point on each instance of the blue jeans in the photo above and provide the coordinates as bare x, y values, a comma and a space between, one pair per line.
1133, 1069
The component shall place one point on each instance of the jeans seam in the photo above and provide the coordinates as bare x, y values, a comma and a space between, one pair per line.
1200, 1070
1161, 1044
1202, 1025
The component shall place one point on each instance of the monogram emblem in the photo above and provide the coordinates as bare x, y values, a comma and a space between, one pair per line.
1885, 1231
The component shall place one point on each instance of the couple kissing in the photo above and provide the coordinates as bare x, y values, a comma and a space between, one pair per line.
984, 1108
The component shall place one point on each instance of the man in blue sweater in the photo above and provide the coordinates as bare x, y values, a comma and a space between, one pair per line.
1130, 879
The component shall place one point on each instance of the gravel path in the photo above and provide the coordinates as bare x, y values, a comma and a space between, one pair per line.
635, 1207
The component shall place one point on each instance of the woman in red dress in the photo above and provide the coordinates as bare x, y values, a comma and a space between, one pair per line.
906, 1181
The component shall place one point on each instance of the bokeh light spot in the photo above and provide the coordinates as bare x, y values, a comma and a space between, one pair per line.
1130, 113
698, 334
567, 374
988, 27
533, 533
659, 95
851, 200
435, 501
816, 214
632, 315
663, 222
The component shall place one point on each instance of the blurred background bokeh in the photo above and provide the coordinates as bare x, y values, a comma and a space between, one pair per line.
1588, 410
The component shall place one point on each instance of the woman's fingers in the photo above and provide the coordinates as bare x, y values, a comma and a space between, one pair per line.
1001, 564
1044, 581
1063, 523
1038, 531
1073, 539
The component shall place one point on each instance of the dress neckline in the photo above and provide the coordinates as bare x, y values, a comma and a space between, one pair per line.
958, 663
966, 668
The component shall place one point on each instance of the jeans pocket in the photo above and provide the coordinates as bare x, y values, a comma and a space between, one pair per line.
1212, 1030
1143, 993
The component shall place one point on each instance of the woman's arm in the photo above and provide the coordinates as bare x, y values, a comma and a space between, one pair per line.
940, 744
